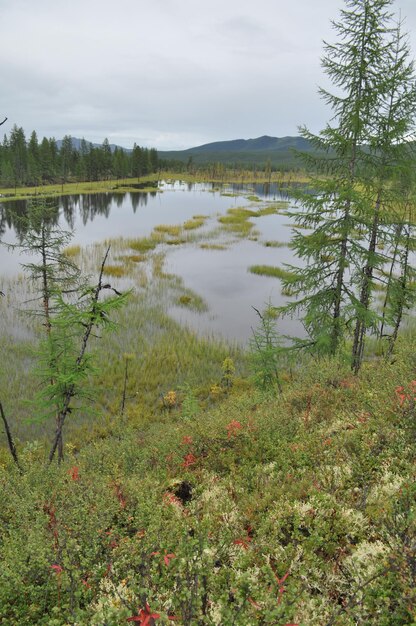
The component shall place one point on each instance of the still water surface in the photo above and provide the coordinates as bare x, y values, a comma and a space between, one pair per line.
220, 277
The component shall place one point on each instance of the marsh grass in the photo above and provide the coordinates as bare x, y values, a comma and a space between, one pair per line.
271, 209
275, 244
134, 258
213, 246
167, 356
131, 189
195, 222
167, 229
176, 241
129, 185
275, 272
144, 244
72, 251
237, 220
192, 301
115, 270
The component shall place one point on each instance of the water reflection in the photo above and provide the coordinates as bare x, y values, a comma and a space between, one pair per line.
223, 280
87, 207
219, 276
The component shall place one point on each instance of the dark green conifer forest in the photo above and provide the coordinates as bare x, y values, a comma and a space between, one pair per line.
40, 162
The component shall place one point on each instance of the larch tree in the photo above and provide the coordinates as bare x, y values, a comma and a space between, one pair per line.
389, 153
51, 271
336, 214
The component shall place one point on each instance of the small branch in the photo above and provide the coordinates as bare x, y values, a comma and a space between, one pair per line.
354, 601
123, 399
10, 441
258, 313
5, 120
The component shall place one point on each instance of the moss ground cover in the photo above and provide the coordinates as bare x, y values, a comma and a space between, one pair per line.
292, 509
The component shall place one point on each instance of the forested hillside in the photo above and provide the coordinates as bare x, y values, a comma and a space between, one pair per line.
262, 152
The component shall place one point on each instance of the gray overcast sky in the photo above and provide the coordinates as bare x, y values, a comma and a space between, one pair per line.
166, 73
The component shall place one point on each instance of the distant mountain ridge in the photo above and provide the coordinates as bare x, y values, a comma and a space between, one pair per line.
76, 144
247, 145
277, 150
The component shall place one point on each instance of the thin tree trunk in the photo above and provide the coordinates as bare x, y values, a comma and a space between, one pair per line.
9, 437
48, 324
123, 399
336, 329
360, 326
392, 265
403, 285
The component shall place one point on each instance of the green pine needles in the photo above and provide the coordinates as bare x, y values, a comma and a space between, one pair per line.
354, 213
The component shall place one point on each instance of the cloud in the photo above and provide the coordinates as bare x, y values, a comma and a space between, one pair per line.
170, 72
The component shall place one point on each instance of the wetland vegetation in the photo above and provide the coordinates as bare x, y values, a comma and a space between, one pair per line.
175, 461
155, 471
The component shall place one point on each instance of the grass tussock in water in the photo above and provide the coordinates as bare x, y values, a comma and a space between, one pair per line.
275, 244
134, 258
270, 270
176, 241
72, 251
167, 229
192, 301
195, 222
144, 244
213, 246
237, 220
115, 270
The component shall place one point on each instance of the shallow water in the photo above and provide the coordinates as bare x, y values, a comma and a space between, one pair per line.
220, 277
231, 291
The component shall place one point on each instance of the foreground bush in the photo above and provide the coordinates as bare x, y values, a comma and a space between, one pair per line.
295, 510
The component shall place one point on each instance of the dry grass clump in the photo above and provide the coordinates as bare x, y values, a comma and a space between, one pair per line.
115, 270
72, 251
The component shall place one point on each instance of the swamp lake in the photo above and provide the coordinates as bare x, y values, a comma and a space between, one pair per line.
200, 242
